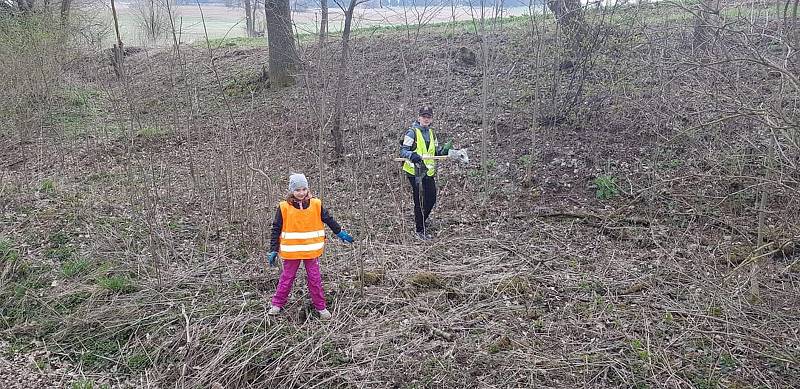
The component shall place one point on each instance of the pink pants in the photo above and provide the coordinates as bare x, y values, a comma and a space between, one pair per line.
313, 278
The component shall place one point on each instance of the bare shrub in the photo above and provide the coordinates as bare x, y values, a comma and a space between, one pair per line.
30, 56
152, 18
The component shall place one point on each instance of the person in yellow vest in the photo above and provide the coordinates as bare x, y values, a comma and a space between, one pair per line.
298, 235
418, 145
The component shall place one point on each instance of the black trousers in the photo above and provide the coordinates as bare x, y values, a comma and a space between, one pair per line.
423, 202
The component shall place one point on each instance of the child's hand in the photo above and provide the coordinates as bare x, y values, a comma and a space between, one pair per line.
271, 257
343, 235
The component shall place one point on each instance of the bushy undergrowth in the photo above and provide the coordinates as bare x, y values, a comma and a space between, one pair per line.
35, 51
31, 51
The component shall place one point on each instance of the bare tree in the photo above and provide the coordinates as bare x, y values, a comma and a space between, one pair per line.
65, 5
283, 60
323, 23
569, 15
250, 17
26, 6
118, 50
152, 18
791, 24
342, 86
706, 18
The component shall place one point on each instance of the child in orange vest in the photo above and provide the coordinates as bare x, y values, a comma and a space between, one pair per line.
298, 235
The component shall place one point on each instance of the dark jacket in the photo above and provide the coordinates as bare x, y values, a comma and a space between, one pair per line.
277, 223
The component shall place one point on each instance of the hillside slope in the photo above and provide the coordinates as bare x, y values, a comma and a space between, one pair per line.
133, 241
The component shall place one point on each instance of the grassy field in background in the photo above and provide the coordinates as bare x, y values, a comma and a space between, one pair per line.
228, 23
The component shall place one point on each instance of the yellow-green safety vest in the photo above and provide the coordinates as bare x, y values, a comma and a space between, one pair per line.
425, 153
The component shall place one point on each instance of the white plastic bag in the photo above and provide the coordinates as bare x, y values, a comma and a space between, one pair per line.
458, 155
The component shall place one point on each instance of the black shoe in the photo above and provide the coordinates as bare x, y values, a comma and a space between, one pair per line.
423, 236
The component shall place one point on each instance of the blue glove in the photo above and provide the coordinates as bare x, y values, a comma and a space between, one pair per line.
271, 257
415, 158
343, 235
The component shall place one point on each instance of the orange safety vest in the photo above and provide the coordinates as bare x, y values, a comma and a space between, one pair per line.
303, 233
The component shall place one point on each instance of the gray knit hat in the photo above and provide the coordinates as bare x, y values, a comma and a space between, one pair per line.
297, 181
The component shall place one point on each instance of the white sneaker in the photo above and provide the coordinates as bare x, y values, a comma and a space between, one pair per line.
273, 310
324, 314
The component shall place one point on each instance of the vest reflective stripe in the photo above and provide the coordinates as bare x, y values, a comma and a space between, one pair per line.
430, 151
301, 247
303, 233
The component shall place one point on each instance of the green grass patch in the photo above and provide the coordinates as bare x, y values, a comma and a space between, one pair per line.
8, 253
139, 362
98, 353
449, 28
117, 284
101, 177
245, 84
333, 355
47, 186
60, 249
20, 296
727, 362
60, 253
152, 132
16, 345
88, 384
639, 350
74, 267
702, 382
525, 160
446, 28
76, 111
80, 97
59, 238
606, 187
40, 279
70, 302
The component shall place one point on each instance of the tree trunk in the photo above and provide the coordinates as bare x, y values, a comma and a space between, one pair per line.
118, 52
794, 36
249, 20
26, 6
569, 15
761, 248
152, 30
342, 84
283, 59
65, 4
323, 24
706, 20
